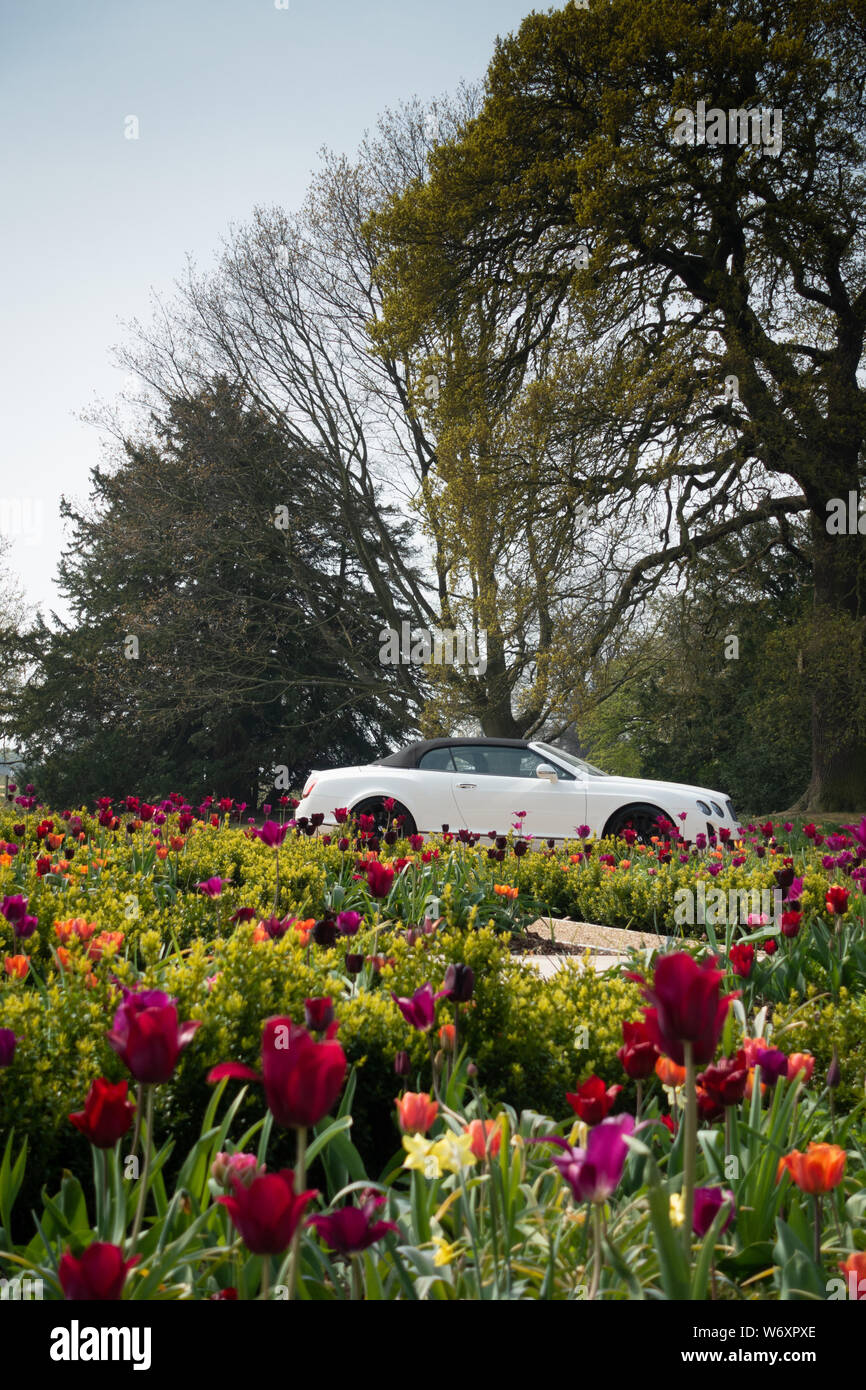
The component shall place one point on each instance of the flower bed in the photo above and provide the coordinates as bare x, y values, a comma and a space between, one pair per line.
411, 1140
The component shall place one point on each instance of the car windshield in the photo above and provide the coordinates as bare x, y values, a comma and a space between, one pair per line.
571, 760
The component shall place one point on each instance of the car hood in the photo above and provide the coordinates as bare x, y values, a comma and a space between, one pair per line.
645, 787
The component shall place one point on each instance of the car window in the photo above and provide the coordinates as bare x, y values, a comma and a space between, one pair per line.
437, 760
498, 760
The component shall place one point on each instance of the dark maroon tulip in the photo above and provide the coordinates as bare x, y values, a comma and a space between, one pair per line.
420, 1010
402, 1064
325, 932
686, 1006
354, 962
638, 1052
268, 1212
7, 1046
14, 908
107, 1113
726, 1081
459, 983
380, 878
146, 1036
708, 1203
353, 1229
318, 1014
99, 1274
302, 1077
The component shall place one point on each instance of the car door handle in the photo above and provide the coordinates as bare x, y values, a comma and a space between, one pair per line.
467, 786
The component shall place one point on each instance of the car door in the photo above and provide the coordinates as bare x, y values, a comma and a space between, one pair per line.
495, 781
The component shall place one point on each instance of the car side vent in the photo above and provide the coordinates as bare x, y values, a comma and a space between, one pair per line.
730, 808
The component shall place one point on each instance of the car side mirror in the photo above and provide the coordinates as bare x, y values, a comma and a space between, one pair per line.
546, 772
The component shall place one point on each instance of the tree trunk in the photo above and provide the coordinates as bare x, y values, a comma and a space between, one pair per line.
836, 669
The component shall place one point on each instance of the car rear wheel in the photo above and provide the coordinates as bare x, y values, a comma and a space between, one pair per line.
384, 817
643, 819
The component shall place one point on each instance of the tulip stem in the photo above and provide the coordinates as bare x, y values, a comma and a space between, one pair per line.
357, 1292
266, 1271
689, 1146
148, 1145
139, 1110
638, 1101
818, 1229
596, 1250
300, 1184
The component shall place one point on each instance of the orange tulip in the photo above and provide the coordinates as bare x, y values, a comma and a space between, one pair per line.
750, 1084
447, 1036
818, 1170
801, 1062
668, 1073
105, 941
486, 1137
854, 1269
177, 843
17, 967
6, 860
64, 956
162, 852
416, 1112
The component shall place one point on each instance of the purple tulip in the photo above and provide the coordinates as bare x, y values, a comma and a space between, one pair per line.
353, 1229
773, 1064
14, 908
349, 922
24, 927
594, 1172
7, 1046
708, 1202
420, 1010
213, 887
272, 834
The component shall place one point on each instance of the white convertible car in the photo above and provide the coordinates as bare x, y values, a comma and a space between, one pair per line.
479, 784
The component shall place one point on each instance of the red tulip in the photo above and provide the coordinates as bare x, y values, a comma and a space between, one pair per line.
638, 1052
380, 878
302, 1077
726, 1081
742, 958
686, 1006
837, 900
146, 1036
107, 1114
267, 1212
592, 1102
99, 1274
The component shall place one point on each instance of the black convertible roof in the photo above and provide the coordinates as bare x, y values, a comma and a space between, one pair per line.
411, 756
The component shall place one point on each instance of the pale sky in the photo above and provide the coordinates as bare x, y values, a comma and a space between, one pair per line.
234, 99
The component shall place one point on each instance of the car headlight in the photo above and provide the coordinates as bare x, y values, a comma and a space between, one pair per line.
702, 806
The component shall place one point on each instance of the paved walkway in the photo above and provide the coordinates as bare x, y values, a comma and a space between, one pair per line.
605, 946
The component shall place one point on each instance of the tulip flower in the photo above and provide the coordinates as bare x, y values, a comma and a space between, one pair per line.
318, 1014
402, 1060
638, 1052
7, 1046
458, 984
668, 1073
353, 1229
420, 1010
226, 1168
17, 967
146, 1036
686, 1006
302, 1078
592, 1102
107, 1113
708, 1203
268, 1212
380, 878
272, 834
801, 1064
837, 900
742, 958
99, 1274
416, 1112
726, 1080
773, 1064
485, 1137
820, 1169
594, 1173
349, 922
13, 908
213, 887
790, 924
854, 1269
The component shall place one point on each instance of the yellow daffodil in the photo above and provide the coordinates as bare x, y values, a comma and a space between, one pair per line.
421, 1155
677, 1209
445, 1253
454, 1151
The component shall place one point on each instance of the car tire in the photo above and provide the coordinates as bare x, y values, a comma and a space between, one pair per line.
374, 806
641, 817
